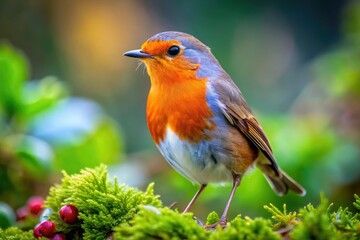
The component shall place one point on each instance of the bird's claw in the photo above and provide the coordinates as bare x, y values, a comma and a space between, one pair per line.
222, 223
198, 221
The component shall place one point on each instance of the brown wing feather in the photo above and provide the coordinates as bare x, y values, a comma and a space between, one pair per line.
239, 115
250, 127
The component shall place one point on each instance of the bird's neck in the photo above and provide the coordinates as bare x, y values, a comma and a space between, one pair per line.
178, 104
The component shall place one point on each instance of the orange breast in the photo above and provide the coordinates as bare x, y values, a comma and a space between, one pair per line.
178, 103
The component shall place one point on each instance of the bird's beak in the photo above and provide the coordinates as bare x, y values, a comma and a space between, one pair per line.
137, 54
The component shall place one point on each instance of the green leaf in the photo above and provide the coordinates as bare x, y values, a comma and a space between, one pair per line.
41, 95
7, 216
80, 134
34, 154
13, 73
103, 145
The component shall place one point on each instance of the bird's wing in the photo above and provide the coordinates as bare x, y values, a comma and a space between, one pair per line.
239, 115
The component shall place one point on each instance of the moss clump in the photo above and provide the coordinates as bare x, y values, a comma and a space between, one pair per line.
108, 210
102, 205
282, 218
321, 223
357, 201
309, 223
212, 218
13, 233
161, 223
246, 228
317, 222
164, 223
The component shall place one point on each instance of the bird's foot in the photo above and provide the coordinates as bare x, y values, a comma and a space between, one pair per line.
198, 221
222, 223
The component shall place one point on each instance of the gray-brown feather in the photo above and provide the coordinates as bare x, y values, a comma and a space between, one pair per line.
238, 114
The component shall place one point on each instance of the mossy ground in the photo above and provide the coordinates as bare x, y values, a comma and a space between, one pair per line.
110, 210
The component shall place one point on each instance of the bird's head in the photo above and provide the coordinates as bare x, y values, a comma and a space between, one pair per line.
177, 54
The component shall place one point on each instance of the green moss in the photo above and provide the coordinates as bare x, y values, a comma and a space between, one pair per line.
317, 222
109, 210
357, 201
164, 223
102, 205
246, 228
212, 218
14, 233
283, 218
161, 223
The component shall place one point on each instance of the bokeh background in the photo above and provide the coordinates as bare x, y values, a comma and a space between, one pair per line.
69, 99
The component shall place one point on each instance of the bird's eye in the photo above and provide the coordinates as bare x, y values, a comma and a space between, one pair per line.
173, 51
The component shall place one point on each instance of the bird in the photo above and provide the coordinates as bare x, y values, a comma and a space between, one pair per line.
199, 119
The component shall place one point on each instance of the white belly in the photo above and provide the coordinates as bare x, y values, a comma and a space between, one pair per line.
194, 161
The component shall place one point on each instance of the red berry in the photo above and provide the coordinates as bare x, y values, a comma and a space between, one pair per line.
22, 213
69, 214
37, 233
58, 236
35, 205
44, 229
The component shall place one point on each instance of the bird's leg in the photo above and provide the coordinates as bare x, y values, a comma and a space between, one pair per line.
223, 220
202, 187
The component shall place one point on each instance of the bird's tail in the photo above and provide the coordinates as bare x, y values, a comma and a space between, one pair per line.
281, 183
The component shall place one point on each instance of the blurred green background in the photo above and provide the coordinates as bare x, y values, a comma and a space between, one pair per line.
69, 99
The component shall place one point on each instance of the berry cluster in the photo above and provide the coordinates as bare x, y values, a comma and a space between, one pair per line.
33, 207
68, 214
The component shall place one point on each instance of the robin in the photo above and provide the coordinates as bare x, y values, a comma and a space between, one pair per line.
199, 120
